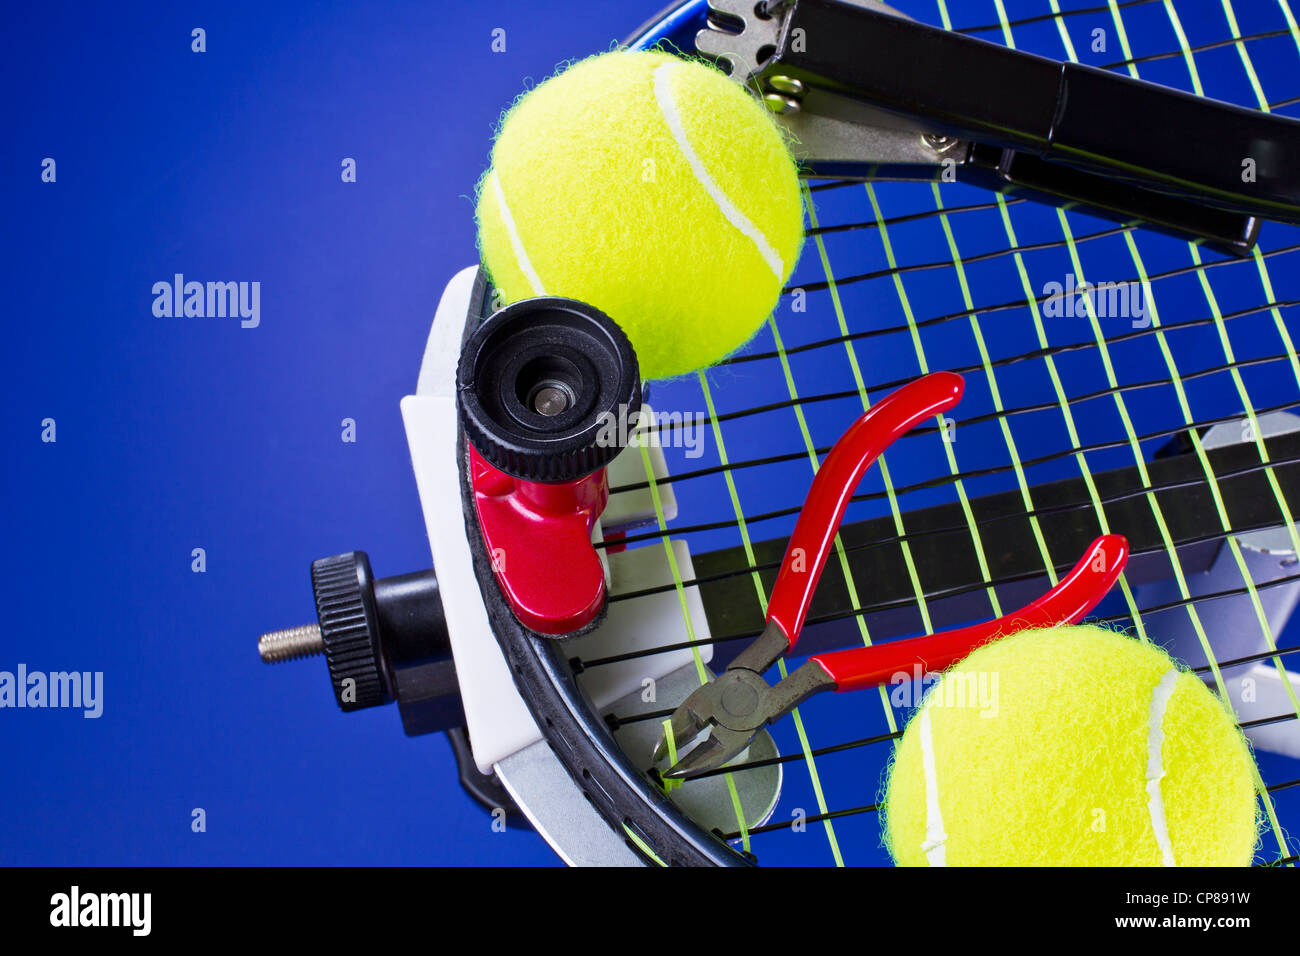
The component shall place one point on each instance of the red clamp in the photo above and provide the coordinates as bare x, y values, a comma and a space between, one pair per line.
539, 539
548, 390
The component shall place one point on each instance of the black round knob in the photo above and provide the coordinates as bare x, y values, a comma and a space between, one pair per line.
349, 629
549, 389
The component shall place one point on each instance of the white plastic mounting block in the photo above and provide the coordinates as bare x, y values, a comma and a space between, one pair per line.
498, 721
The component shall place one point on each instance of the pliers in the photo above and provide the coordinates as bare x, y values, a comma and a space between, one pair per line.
737, 703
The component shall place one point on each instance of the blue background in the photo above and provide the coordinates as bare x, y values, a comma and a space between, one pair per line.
180, 433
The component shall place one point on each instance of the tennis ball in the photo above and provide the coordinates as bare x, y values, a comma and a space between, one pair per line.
1071, 746
653, 188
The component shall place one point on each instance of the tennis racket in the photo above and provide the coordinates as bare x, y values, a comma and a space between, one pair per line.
1130, 367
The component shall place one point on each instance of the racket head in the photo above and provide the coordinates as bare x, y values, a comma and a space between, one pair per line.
1167, 379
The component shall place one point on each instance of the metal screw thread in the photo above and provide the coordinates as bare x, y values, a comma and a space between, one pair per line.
290, 644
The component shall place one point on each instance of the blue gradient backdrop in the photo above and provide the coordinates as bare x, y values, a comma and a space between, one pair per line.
175, 434
183, 433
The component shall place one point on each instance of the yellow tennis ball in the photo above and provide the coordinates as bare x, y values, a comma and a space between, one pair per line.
1071, 746
653, 188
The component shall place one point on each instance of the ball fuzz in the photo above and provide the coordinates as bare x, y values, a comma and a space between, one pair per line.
653, 188
1072, 746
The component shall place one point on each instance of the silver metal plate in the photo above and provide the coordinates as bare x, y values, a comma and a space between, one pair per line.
706, 800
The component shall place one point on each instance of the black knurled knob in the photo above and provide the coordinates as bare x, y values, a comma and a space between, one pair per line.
549, 389
349, 627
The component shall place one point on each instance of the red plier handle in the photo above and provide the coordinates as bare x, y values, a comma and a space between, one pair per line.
833, 487
736, 703
1074, 596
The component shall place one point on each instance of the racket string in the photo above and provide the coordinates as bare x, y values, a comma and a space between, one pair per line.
1055, 16
988, 471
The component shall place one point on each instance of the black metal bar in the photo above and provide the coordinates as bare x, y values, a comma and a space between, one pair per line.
1028, 176
852, 60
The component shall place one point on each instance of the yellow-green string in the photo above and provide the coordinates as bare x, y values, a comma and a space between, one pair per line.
670, 783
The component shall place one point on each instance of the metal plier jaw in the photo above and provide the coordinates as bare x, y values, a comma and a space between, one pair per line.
870, 94
736, 704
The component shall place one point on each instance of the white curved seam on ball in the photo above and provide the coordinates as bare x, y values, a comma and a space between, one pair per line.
668, 107
1155, 765
517, 244
934, 846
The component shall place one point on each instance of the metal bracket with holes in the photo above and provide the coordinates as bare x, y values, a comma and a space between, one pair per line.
868, 93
